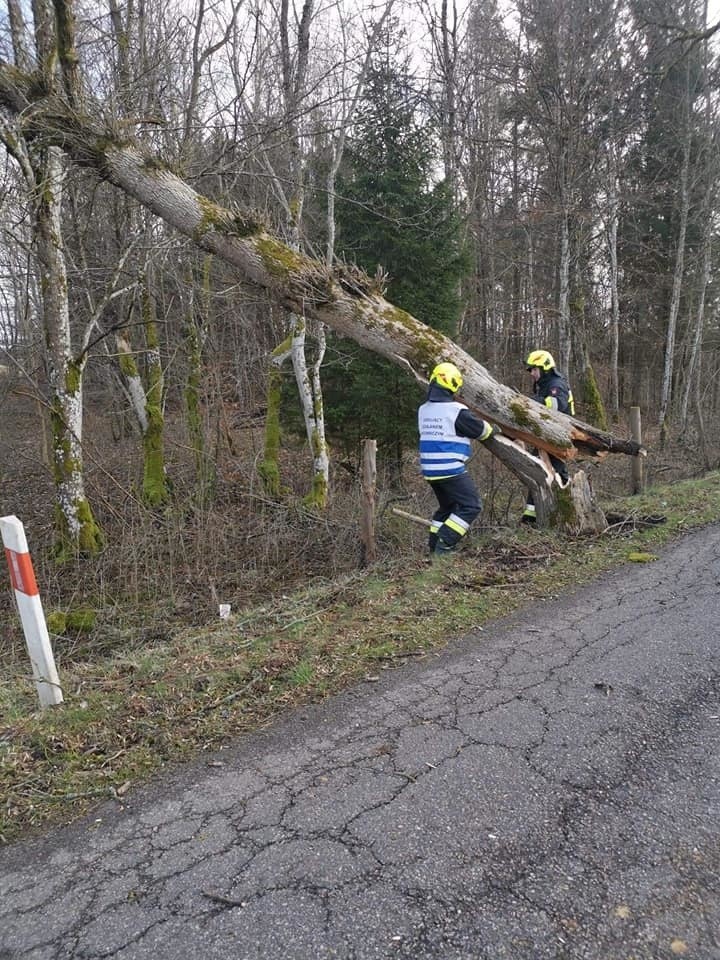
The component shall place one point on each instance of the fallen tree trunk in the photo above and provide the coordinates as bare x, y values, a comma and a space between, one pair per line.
344, 298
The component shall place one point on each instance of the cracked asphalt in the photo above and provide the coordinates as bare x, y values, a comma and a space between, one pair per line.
540, 789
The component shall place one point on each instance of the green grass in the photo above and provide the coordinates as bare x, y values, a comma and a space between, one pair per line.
129, 713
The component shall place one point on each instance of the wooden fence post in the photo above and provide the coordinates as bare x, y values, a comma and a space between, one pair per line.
27, 597
367, 520
638, 469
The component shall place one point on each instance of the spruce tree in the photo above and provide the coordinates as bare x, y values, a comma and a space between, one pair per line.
396, 218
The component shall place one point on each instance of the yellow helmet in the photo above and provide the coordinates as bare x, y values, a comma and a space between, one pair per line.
447, 375
542, 359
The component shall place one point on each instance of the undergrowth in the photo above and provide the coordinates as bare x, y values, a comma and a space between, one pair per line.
132, 708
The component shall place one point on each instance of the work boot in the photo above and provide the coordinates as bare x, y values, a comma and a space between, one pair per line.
528, 519
442, 549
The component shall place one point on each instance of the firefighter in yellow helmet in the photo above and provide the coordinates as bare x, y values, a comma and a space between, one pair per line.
552, 390
446, 428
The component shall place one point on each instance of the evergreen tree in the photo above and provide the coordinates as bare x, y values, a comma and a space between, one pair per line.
392, 218
668, 118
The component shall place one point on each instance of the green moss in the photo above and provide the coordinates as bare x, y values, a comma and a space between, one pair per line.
318, 495
279, 260
91, 539
128, 365
204, 468
428, 345
564, 515
155, 489
520, 411
316, 442
269, 468
594, 406
56, 622
282, 348
66, 468
640, 556
270, 475
73, 377
81, 620
228, 222
192, 386
213, 217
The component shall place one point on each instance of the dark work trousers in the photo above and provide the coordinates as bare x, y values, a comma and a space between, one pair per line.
458, 504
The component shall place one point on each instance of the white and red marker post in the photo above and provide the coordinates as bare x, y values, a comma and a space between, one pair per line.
30, 608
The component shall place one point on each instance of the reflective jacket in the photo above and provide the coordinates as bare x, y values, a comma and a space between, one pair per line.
553, 391
446, 427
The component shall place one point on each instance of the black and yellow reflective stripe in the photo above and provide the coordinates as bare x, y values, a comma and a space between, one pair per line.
457, 524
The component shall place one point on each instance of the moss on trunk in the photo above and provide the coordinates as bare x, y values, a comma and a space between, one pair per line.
77, 531
204, 469
594, 407
269, 468
155, 488
318, 494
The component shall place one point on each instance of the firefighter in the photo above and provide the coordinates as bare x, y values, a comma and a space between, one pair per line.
446, 428
552, 390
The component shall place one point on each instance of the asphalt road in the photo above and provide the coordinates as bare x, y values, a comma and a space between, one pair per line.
546, 789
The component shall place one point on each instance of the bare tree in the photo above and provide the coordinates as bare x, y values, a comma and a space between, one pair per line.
44, 172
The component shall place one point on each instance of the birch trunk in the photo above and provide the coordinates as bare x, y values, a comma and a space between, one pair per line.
564, 294
612, 232
133, 380
307, 377
76, 525
710, 165
146, 402
668, 365
692, 369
